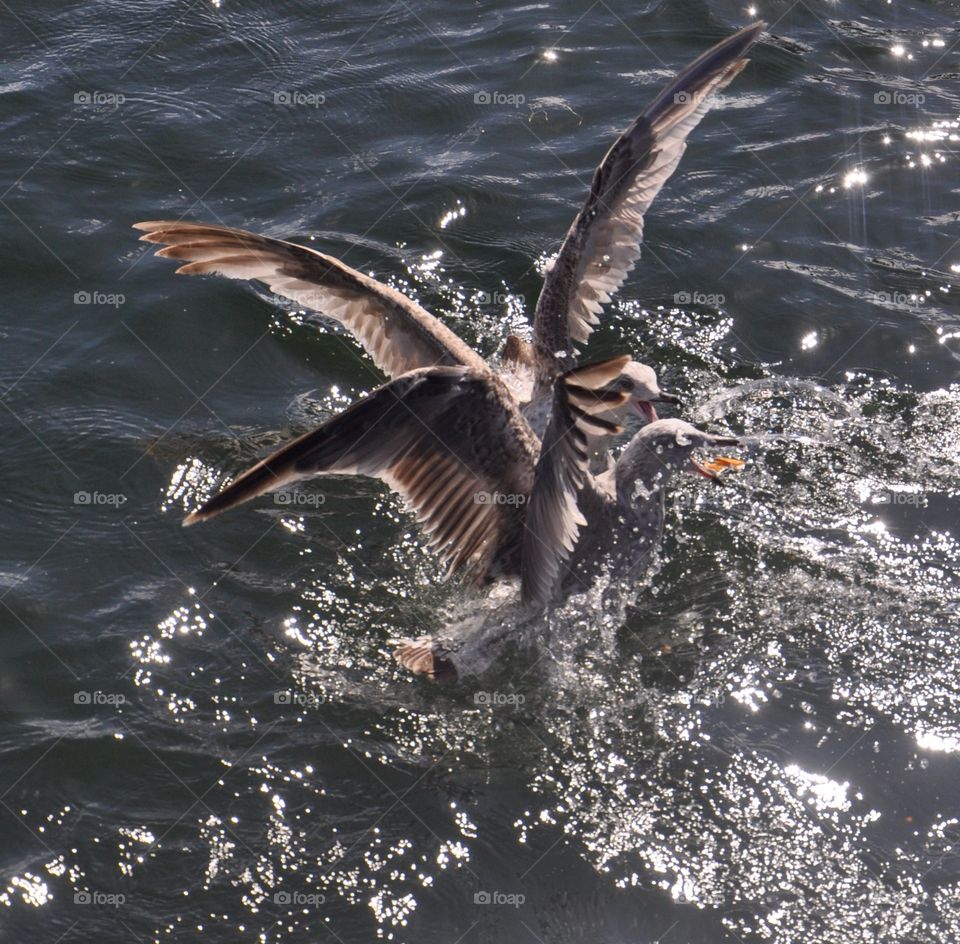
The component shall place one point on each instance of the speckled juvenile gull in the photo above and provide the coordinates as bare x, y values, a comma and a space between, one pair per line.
576, 521
613, 530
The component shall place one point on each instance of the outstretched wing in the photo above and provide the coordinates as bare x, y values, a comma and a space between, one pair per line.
603, 242
395, 331
553, 518
448, 439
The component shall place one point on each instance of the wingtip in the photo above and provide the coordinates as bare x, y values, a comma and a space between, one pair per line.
750, 32
195, 517
744, 38
147, 225
736, 44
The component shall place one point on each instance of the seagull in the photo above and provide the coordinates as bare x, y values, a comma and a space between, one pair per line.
502, 484
577, 522
454, 444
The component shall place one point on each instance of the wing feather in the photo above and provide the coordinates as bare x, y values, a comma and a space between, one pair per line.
603, 242
444, 438
553, 518
395, 331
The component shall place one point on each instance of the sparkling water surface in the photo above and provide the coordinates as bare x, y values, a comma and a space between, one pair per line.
203, 735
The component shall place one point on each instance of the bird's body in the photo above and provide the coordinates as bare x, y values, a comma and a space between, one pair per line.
621, 538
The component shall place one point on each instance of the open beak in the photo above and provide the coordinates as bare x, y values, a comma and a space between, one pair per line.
646, 410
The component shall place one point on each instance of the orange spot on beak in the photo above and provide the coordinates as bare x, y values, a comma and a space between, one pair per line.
713, 468
722, 463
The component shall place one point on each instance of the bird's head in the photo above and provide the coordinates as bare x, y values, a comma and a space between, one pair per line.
640, 384
666, 447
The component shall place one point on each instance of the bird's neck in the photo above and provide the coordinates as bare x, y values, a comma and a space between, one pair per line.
640, 476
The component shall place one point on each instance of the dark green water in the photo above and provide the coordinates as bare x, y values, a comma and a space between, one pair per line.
202, 737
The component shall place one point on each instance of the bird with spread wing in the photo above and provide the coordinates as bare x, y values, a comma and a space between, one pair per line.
501, 483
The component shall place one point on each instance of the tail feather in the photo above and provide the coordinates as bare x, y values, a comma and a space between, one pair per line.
425, 656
